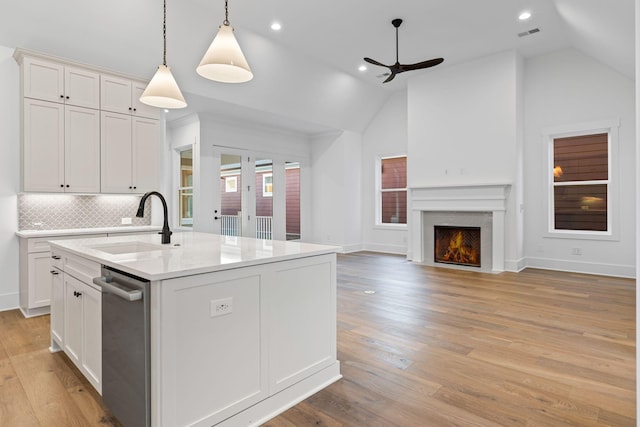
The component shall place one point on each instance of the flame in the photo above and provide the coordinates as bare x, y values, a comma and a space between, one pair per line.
459, 253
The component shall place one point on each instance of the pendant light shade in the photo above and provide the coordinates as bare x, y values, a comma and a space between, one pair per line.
224, 60
163, 91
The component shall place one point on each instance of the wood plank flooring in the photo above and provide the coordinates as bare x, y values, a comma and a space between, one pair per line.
431, 347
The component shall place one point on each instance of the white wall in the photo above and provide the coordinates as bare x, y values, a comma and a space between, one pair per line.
462, 123
564, 88
9, 177
464, 127
336, 161
385, 136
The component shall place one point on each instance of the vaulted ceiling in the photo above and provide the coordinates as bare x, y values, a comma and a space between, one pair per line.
306, 74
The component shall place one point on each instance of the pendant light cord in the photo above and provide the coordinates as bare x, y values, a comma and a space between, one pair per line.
226, 13
164, 34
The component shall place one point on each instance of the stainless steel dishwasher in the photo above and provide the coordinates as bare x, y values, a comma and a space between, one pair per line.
126, 380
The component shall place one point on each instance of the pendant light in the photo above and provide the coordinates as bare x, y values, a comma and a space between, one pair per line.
224, 60
163, 91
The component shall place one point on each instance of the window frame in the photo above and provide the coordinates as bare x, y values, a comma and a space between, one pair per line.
611, 128
266, 193
378, 196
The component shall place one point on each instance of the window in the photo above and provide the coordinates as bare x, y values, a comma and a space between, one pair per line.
267, 185
185, 189
580, 176
392, 190
231, 184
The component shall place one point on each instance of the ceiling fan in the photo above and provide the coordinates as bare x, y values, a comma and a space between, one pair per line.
398, 68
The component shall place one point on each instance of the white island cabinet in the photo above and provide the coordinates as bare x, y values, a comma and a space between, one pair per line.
241, 329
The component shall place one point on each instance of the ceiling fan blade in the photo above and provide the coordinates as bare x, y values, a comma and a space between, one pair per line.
423, 64
374, 62
391, 76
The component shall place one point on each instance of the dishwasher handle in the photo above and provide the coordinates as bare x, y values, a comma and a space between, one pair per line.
129, 295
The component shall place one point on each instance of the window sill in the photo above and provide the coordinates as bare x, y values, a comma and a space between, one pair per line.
397, 227
573, 235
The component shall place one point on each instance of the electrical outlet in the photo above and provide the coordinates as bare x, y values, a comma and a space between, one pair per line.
126, 221
220, 307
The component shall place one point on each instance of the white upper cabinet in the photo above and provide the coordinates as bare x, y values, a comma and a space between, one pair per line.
49, 81
130, 153
61, 148
123, 96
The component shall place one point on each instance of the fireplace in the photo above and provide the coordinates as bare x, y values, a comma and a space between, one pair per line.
457, 245
480, 206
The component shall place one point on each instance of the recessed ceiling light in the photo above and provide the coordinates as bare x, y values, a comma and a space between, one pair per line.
362, 68
276, 26
524, 15
166, 111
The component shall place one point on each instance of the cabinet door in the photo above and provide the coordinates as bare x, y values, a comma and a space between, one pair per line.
73, 319
301, 334
92, 336
43, 146
82, 150
140, 109
116, 94
43, 80
39, 279
204, 349
146, 154
81, 88
57, 305
115, 149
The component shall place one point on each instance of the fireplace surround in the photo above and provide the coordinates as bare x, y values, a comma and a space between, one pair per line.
481, 205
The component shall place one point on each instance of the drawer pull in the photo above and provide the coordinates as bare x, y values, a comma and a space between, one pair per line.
55, 273
55, 256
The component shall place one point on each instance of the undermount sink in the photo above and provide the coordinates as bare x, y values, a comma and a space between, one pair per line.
129, 247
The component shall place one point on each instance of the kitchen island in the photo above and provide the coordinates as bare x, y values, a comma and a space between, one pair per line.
240, 329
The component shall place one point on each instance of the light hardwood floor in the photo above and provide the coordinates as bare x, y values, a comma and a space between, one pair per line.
431, 347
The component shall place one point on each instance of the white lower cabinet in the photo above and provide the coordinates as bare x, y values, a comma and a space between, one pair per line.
235, 347
57, 305
76, 316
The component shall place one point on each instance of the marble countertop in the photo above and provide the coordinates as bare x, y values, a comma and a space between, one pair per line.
188, 253
81, 231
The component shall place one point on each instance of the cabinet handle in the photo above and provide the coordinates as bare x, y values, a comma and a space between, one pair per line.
67, 185
130, 187
130, 108
61, 185
77, 294
55, 256
67, 97
61, 96
135, 109
55, 273
134, 187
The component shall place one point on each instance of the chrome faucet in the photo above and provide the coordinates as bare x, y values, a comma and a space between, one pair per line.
166, 233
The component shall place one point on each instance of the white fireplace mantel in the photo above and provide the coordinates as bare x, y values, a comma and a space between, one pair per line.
460, 198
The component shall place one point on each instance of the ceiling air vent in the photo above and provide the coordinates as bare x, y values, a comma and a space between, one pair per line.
528, 33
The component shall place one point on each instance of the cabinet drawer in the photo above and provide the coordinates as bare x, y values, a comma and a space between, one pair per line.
41, 244
81, 268
56, 260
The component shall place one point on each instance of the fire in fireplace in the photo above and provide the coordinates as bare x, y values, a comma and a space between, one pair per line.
457, 245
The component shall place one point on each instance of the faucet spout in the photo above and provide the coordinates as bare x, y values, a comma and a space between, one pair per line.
166, 233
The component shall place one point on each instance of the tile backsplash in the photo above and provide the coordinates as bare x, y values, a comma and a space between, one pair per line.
62, 211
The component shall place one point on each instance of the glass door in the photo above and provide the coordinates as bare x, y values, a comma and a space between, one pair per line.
264, 198
257, 196
231, 195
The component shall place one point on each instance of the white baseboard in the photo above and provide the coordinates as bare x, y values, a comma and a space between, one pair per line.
627, 271
515, 265
354, 247
385, 248
9, 301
